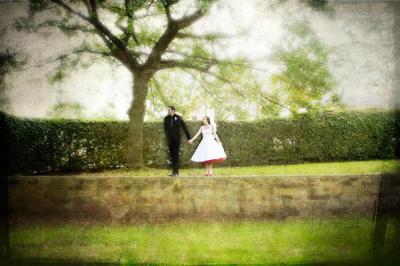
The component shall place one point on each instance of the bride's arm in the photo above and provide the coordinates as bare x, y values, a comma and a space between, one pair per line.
195, 136
215, 134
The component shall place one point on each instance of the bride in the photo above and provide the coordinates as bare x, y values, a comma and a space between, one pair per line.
210, 149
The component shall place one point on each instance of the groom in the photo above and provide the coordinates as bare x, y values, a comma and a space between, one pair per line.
172, 126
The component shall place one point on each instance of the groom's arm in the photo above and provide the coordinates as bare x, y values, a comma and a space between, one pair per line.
183, 125
165, 126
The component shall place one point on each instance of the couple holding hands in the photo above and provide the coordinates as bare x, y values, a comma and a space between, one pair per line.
208, 152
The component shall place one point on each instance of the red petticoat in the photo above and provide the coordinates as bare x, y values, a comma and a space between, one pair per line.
219, 160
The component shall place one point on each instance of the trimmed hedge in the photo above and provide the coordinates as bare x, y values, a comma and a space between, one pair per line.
37, 145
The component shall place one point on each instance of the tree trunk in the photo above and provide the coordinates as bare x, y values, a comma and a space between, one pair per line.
136, 120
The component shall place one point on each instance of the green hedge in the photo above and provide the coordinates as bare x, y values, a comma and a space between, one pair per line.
37, 145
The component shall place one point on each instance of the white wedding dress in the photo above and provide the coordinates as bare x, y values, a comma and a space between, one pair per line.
209, 150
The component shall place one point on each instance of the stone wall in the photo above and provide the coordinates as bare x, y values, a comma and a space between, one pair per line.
164, 199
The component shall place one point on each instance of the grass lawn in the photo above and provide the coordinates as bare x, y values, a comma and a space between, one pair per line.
356, 167
264, 242
230, 242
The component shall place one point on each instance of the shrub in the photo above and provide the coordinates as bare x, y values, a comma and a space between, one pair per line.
38, 145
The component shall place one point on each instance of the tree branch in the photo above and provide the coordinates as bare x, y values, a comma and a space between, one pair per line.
207, 60
129, 32
206, 37
105, 34
63, 56
80, 51
71, 10
158, 88
167, 11
101, 27
266, 97
75, 27
166, 64
185, 65
169, 35
94, 21
93, 6
203, 85
189, 20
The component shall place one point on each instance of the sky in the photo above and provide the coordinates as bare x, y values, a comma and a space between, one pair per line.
359, 33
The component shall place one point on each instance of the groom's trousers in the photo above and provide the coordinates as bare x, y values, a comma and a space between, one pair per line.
173, 146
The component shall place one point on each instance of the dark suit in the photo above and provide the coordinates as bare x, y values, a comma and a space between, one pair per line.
172, 126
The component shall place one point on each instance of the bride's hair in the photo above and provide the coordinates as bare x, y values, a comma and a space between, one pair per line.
208, 120
211, 122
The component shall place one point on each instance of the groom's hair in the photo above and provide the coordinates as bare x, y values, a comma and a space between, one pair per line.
172, 108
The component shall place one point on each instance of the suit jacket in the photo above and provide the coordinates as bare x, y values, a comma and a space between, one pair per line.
172, 126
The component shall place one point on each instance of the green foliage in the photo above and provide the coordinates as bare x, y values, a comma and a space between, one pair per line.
233, 92
67, 63
72, 145
162, 3
9, 61
63, 69
321, 5
67, 110
24, 23
29, 25
65, 145
37, 6
205, 4
146, 36
304, 82
134, 5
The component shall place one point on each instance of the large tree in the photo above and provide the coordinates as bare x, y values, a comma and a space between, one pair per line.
147, 36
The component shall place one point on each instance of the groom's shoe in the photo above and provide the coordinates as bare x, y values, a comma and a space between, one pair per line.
174, 174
